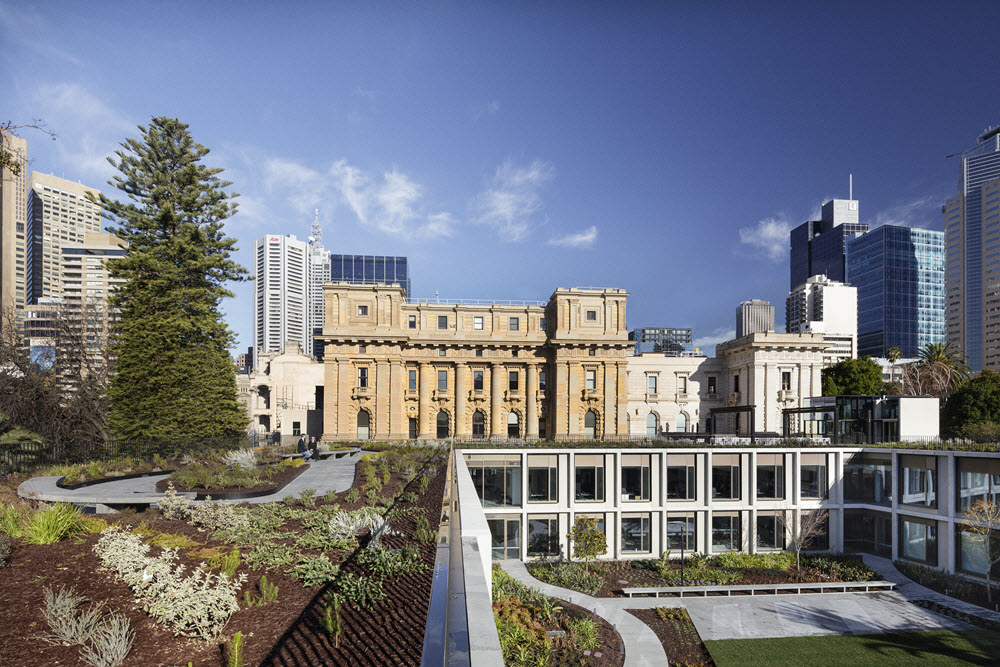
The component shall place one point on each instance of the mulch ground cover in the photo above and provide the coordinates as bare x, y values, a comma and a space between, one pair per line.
611, 653
282, 632
679, 637
280, 475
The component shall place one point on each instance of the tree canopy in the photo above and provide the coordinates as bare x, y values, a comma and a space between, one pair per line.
173, 375
975, 402
853, 377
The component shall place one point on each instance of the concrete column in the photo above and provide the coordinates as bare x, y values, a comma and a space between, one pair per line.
460, 428
531, 402
947, 480
425, 419
497, 424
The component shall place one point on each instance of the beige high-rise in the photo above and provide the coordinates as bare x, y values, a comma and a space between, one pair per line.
59, 214
13, 209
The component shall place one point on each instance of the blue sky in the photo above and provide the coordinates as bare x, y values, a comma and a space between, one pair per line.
511, 148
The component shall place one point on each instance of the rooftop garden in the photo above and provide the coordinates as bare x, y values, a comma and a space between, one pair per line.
341, 578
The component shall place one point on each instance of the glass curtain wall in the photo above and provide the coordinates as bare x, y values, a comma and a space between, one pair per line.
681, 531
497, 479
506, 537
770, 476
813, 476
918, 540
543, 478
680, 477
589, 477
978, 479
868, 531
918, 480
635, 476
868, 479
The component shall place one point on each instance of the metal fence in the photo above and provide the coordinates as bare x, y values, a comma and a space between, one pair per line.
29, 456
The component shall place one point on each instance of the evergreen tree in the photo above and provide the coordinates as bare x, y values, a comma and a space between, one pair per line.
173, 375
853, 377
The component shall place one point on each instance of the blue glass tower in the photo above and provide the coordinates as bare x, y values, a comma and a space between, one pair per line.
370, 269
899, 274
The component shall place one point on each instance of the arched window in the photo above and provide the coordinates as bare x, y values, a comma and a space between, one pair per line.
682, 423
652, 425
590, 425
364, 425
478, 424
442, 425
513, 425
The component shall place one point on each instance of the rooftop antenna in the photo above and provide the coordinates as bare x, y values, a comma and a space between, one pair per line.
317, 231
850, 186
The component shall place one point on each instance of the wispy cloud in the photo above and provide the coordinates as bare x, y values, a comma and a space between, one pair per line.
584, 239
89, 129
391, 203
512, 200
719, 335
769, 237
481, 109
920, 212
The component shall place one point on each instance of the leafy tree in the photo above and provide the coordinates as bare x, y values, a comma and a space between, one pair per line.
588, 540
983, 518
893, 354
977, 402
940, 370
173, 375
853, 377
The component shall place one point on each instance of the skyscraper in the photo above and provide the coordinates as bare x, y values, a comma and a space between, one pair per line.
818, 245
59, 214
973, 256
899, 275
370, 269
281, 293
13, 206
668, 341
754, 316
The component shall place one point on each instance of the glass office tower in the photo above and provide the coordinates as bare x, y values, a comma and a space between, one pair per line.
972, 220
899, 275
818, 245
369, 269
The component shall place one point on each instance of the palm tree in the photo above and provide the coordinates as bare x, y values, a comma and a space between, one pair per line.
893, 355
940, 369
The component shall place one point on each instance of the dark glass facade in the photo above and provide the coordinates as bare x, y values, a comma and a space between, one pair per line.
818, 247
899, 274
370, 269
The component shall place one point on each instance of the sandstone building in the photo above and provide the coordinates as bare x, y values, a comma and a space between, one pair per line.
400, 370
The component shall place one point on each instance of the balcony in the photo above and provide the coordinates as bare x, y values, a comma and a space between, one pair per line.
787, 395
441, 395
362, 392
734, 398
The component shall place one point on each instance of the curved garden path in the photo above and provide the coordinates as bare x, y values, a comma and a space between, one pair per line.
330, 474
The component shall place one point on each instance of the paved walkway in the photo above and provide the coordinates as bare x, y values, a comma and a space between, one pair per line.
642, 647
325, 475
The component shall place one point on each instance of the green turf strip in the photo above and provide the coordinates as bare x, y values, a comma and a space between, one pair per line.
944, 647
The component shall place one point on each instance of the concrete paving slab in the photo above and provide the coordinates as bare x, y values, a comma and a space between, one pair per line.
810, 615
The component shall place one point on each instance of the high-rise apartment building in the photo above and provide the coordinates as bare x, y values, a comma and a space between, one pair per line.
59, 214
818, 245
972, 264
369, 270
829, 308
899, 274
282, 311
663, 340
13, 207
754, 316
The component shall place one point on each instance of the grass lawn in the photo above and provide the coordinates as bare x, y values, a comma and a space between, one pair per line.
944, 647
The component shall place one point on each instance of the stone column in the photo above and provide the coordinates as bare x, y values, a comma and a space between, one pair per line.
560, 403
496, 396
610, 391
330, 430
343, 391
460, 396
395, 400
424, 417
621, 400
531, 401
380, 427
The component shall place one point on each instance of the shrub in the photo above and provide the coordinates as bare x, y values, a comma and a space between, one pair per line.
308, 497
6, 547
268, 591
240, 459
586, 635
330, 619
364, 592
349, 524
229, 563
110, 644
234, 651
425, 535
194, 606
68, 625
424, 482
353, 496
218, 515
779, 560
54, 523
568, 575
371, 495
312, 570
173, 506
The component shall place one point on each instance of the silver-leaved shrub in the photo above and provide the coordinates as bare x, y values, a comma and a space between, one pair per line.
198, 605
240, 459
218, 515
173, 506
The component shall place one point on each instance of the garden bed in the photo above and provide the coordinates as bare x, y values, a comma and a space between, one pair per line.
952, 585
110, 478
280, 478
285, 631
608, 578
676, 631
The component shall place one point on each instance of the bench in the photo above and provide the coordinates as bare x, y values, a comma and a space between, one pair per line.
760, 589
